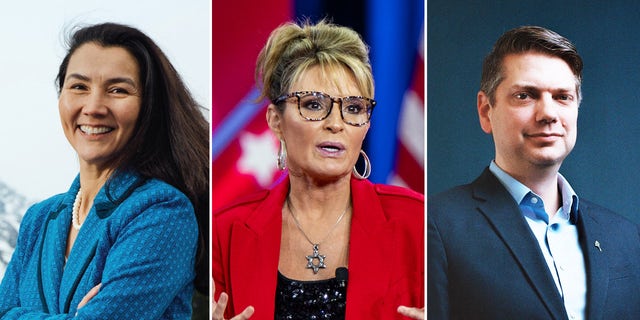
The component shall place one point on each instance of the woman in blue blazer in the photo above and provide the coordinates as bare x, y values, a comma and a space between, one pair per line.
122, 242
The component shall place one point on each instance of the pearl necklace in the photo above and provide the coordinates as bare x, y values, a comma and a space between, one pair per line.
76, 209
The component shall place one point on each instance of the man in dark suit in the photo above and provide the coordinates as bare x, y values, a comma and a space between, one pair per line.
518, 243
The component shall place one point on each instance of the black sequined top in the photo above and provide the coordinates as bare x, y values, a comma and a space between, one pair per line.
323, 299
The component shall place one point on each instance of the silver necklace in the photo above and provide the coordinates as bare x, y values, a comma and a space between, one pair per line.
75, 210
315, 245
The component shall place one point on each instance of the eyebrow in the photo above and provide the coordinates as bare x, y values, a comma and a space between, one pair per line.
536, 88
109, 81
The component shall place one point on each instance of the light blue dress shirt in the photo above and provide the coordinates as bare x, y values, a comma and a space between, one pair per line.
557, 237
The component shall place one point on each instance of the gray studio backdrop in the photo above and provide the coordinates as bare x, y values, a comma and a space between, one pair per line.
604, 164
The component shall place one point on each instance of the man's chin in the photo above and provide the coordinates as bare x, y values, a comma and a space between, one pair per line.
549, 161
549, 157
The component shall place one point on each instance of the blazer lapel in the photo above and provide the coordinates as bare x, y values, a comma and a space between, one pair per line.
369, 258
497, 205
596, 262
82, 253
53, 254
257, 240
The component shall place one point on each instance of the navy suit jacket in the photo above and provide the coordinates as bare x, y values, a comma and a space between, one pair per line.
483, 261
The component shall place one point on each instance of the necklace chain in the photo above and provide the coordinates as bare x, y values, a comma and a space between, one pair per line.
75, 212
290, 207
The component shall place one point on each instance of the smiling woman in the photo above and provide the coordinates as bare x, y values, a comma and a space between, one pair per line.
122, 241
100, 102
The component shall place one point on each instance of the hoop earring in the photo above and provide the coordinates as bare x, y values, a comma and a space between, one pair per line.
367, 167
282, 156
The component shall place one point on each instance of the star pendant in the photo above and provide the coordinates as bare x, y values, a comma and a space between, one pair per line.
314, 256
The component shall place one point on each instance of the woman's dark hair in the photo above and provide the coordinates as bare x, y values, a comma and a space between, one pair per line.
171, 138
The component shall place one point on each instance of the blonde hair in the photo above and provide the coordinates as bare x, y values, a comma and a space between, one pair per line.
292, 49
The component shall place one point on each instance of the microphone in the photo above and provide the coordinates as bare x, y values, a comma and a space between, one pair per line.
342, 275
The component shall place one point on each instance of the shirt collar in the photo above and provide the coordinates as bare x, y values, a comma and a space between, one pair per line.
518, 191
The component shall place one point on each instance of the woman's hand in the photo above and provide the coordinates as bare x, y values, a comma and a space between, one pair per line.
92, 293
413, 313
218, 308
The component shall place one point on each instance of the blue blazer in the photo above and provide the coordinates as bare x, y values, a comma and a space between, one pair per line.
138, 240
483, 261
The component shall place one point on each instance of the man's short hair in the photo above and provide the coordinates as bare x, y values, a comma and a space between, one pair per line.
528, 39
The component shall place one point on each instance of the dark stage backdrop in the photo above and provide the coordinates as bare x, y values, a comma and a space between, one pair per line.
603, 165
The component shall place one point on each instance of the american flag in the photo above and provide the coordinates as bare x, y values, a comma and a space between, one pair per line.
409, 169
243, 148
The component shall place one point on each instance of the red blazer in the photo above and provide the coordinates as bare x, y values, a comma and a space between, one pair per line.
386, 251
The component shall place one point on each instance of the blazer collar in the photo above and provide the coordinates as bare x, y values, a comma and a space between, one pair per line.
269, 210
118, 188
363, 194
499, 208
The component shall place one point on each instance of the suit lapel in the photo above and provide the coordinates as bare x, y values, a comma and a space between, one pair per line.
253, 270
82, 253
53, 254
595, 260
499, 208
369, 257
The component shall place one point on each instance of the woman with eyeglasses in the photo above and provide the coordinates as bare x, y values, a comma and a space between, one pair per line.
324, 243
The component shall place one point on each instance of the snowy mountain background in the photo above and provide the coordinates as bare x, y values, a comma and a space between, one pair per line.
12, 208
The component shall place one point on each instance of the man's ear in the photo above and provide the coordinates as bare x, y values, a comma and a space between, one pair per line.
274, 120
484, 112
